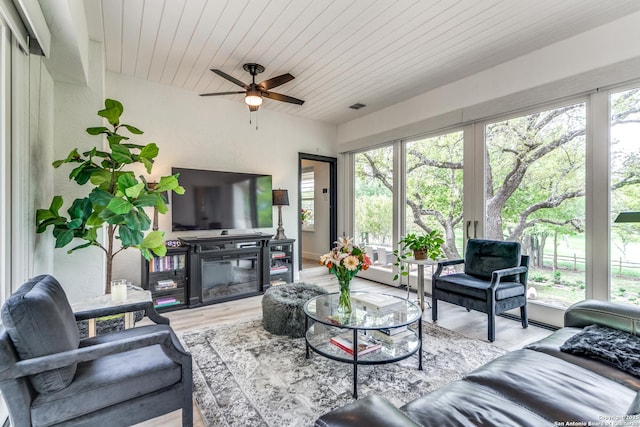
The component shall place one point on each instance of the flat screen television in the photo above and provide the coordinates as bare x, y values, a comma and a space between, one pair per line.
215, 200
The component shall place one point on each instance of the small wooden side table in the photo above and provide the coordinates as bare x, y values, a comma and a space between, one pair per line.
100, 306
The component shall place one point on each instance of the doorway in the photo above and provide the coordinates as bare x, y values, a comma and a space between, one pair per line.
317, 196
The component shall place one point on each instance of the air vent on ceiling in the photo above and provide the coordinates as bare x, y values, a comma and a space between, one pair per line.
357, 106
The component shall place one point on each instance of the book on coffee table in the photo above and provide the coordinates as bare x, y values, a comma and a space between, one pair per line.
378, 303
345, 342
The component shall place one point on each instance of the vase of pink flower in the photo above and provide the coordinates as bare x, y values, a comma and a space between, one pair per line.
345, 261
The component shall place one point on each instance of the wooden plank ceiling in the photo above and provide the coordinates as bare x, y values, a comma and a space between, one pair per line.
341, 52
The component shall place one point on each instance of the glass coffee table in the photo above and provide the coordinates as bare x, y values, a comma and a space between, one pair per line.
381, 325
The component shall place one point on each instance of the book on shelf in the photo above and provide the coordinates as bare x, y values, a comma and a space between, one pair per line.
277, 269
278, 254
278, 282
345, 342
162, 285
166, 301
167, 263
378, 303
392, 339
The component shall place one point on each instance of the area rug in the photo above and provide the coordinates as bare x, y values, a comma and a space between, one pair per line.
245, 376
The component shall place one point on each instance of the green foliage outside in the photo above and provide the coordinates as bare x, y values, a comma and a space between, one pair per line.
535, 187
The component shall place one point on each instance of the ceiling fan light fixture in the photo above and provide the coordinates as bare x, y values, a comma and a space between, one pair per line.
253, 98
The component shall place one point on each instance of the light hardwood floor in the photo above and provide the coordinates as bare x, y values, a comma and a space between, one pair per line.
509, 333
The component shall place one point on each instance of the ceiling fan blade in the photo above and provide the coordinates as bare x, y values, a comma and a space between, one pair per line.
230, 78
283, 98
221, 93
275, 81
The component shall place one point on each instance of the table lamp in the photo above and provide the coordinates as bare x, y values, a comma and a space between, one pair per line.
280, 199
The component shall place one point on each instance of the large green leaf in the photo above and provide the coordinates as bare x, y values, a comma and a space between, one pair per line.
121, 154
133, 129
129, 237
81, 208
63, 237
84, 245
153, 240
110, 217
100, 176
160, 250
56, 204
137, 220
112, 111
150, 151
148, 164
146, 200
100, 197
95, 220
97, 130
119, 206
170, 183
75, 223
42, 226
134, 191
126, 180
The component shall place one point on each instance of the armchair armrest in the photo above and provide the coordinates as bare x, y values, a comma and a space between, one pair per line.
442, 264
497, 275
164, 337
146, 306
624, 317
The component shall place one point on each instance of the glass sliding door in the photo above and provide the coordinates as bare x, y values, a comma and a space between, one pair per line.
535, 194
624, 125
434, 183
373, 206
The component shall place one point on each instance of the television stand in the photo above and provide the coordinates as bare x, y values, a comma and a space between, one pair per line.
229, 266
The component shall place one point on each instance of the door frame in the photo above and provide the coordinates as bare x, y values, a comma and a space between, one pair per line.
333, 198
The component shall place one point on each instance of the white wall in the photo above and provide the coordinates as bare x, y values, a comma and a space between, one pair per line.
41, 132
589, 52
316, 242
215, 134
82, 274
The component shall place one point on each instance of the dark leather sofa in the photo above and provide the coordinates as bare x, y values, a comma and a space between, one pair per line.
539, 385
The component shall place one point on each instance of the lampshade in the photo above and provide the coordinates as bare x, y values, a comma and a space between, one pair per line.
280, 198
253, 98
628, 217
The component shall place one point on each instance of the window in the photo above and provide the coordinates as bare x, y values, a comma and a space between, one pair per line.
624, 122
535, 194
307, 190
373, 204
434, 186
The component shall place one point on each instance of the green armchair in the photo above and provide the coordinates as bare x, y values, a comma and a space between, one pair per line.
494, 281
49, 376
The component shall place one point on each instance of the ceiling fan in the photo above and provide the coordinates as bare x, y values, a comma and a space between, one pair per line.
254, 92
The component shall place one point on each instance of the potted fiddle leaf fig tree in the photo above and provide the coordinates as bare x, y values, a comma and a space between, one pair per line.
116, 199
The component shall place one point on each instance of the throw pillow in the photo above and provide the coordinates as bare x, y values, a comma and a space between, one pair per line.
608, 345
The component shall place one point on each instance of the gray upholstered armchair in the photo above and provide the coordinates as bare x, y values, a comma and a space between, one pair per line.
49, 376
494, 281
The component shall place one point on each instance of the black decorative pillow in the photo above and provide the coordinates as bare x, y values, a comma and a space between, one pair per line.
615, 347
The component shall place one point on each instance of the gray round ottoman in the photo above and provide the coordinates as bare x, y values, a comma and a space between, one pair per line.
282, 308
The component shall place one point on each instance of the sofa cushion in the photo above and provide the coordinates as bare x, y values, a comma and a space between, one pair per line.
547, 385
39, 320
612, 346
461, 283
551, 345
462, 403
109, 380
483, 257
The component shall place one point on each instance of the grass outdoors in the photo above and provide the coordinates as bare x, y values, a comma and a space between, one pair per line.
567, 284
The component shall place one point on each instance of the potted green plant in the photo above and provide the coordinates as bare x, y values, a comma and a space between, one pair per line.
421, 246
116, 199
